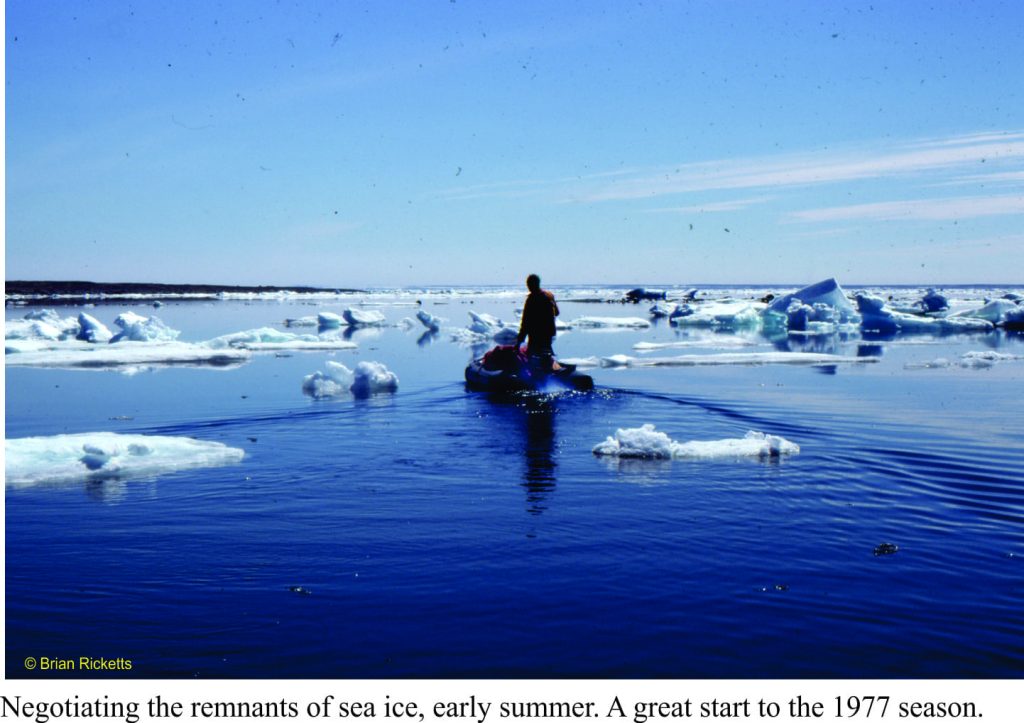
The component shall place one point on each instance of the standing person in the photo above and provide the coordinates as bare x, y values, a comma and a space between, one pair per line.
538, 323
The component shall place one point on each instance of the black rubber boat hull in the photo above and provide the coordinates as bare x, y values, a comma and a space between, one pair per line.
485, 380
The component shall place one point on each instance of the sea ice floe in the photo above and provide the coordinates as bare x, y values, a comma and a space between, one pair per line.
994, 311
735, 358
102, 455
270, 339
877, 317
92, 330
933, 301
646, 442
609, 322
82, 355
642, 294
726, 314
142, 328
713, 341
362, 317
661, 310
367, 378
484, 328
968, 360
433, 323
307, 321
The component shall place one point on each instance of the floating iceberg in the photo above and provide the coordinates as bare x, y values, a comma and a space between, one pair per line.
430, 321
661, 310
103, 455
641, 294
368, 378
142, 328
609, 322
484, 328
727, 314
269, 339
933, 302
968, 360
309, 321
994, 311
735, 358
82, 355
357, 317
827, 293
877, 317
92, 330
713, 341
1014, 319
645, 442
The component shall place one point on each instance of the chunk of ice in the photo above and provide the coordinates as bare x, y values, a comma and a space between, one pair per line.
82, 355
430, 321
270, 339
735, 358
101, 455
360, 317
142, 328
828, 293
368, 378
646, 442
92, 330
877, 317
609, 322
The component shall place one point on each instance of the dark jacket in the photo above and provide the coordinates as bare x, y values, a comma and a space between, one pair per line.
538, 323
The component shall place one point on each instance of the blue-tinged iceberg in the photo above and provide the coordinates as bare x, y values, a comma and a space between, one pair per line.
879, 318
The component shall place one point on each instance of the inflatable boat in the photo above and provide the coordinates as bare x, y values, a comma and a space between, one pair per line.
507, 369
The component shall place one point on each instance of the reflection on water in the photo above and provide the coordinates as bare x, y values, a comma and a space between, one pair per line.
538, 423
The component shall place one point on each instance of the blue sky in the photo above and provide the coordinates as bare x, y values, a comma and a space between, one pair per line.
438, 142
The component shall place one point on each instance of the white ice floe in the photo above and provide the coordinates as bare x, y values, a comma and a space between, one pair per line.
484, 328
662, 309
368, 378
360, 317
433, 323
735, 358
92, 330
83, 355
994, 311
269, 339
609, 322
308, 321
968, 360
102, 455
646, 442
142, 328
878, 317
716, 341
727, 314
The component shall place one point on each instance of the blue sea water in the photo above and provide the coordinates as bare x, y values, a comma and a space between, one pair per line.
438, 532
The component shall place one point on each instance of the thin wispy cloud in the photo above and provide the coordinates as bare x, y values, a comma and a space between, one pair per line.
810, 169
933, 157
939, 209
717, 207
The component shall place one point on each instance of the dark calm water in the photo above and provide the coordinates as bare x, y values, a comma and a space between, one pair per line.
443, 533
